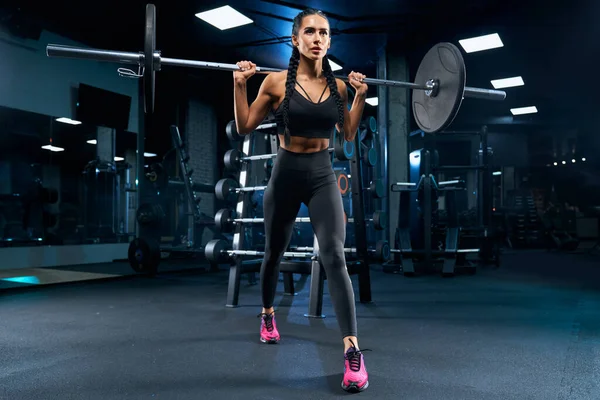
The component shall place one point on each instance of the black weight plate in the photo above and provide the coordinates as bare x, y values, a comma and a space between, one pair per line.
224, 189
370, 156
232, 132
215, 250
443, 63
373, 124
222, 220
231, 159
382, 250
144, 255
149, 49
379, 220
377, 189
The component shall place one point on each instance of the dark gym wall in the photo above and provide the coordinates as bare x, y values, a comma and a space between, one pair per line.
31, 81
510, 149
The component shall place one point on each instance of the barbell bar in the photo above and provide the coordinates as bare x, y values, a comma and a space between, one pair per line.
437, 93
124, 57
234, 158
225, 220
381, 250
217, 250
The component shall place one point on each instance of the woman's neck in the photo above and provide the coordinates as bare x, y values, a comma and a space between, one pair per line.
311, 69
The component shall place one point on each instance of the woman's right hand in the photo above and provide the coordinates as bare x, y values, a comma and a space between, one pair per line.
247, 69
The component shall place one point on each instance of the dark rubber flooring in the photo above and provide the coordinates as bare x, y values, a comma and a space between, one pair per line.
530, 330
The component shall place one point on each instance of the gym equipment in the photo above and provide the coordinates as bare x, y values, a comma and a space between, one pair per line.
376, 187
144, 255
234, 136
437, 93
225, 220
369, 155
233, 158
404, 253
219, 250
367, 128
226, 189
381, 250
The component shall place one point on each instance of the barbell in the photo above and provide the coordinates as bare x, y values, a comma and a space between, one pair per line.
218, 250
381, 250
226, 189
226, 219
234, 158
438, 91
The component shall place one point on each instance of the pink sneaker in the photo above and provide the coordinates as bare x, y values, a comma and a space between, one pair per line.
268, 329
356, 378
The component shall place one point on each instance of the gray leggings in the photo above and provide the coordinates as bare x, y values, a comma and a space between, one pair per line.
308, 178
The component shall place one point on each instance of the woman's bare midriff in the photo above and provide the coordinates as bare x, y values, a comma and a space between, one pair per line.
304, 145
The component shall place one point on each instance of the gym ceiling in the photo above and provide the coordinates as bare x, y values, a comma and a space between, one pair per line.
553, 46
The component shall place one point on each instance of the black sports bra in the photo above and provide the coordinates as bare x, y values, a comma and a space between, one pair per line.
307, 118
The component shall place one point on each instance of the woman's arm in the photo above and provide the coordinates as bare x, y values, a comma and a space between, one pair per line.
353, 116
247, 118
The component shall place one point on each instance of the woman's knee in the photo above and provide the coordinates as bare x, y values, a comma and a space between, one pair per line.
333, 251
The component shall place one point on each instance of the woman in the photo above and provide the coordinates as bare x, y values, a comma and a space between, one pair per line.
308, 102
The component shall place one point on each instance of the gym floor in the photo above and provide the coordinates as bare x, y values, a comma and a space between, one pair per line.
529, 330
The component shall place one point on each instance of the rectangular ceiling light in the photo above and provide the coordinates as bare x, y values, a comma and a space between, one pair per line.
374, 101
69, 121
481, 43
523, 110
119, 159
92, 141
52, 148
149, 155
224, 18
334, 66
508, 82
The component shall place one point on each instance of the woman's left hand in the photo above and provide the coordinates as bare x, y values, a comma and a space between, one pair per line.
356, 80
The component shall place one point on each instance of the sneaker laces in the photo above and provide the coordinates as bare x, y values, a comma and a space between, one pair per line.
354, 357
268, 318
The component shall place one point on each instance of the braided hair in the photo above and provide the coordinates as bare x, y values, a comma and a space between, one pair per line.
290, 83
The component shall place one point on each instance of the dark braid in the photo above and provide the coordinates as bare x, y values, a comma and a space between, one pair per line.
290, 82
336, 95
